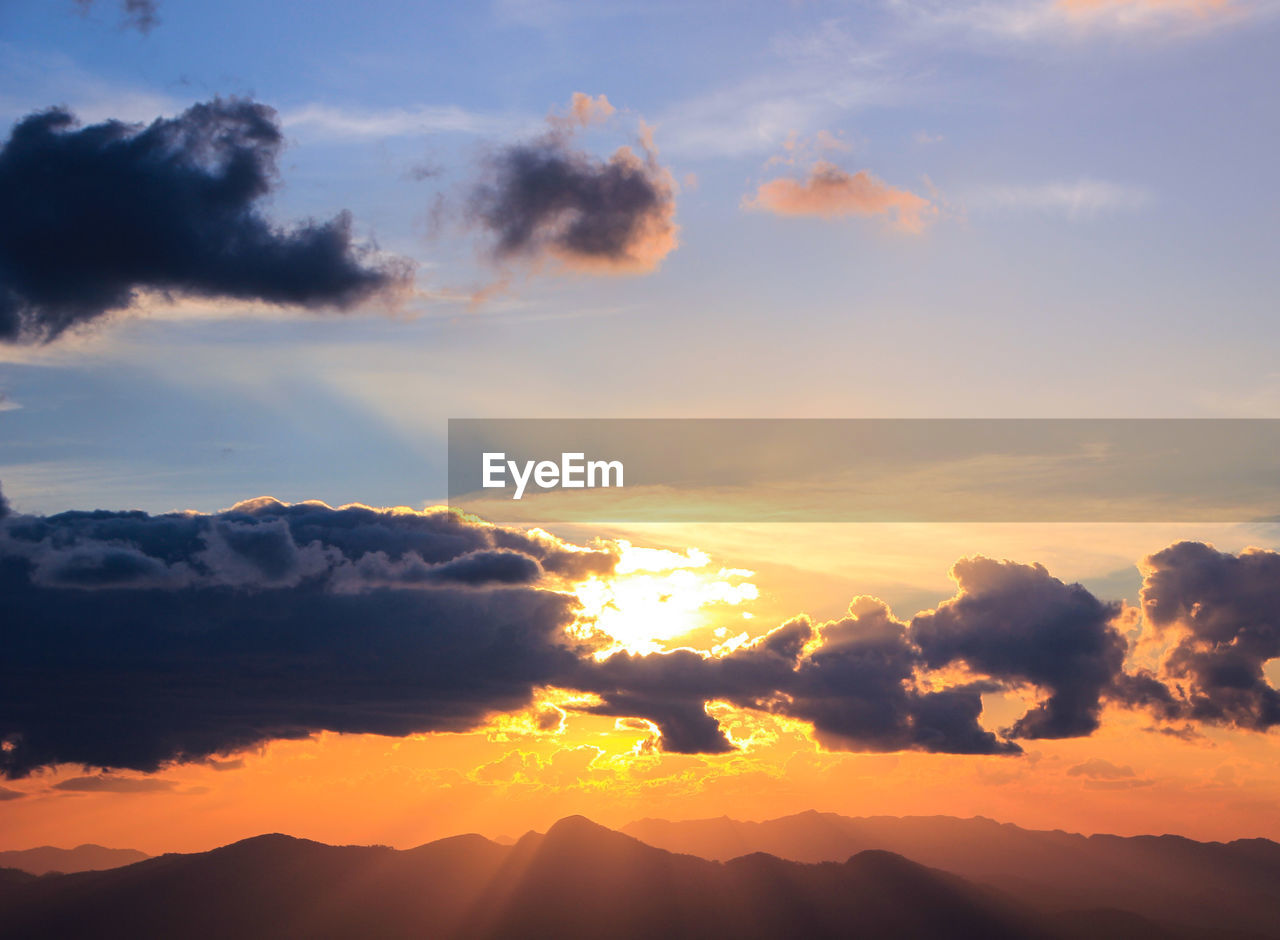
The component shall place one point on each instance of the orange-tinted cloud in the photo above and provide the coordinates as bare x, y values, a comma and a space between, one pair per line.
1087, 7
585, 110
830, 192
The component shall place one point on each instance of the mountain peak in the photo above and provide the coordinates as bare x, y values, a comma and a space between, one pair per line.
577, 827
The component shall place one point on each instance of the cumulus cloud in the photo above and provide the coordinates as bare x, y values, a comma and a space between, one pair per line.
91, 215
546, 199
831, 192
1017, 622
134, 640
871, 652
850, 679
1222, 614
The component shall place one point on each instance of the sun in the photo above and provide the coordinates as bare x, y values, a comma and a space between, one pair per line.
656, 596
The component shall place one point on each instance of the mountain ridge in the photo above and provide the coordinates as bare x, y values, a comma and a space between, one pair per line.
90, 856
576, 879
1203, 883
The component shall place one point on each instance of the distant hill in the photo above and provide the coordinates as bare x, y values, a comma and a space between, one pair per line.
577, 880
90, 857
1202, 884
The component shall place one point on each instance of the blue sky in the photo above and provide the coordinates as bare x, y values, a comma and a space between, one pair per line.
1101, 243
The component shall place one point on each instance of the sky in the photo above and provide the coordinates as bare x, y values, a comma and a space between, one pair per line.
255, 250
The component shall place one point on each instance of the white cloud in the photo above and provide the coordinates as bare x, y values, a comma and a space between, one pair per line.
329, 122
1077, 200
821, 75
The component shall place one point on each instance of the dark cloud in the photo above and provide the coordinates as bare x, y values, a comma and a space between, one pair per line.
142, 15
856, 689
89, 215
851, 679
550, 718
544, 198
1016, 623
1223, 611
222, 765
134, 640
683, 721
1142, 689
7, 794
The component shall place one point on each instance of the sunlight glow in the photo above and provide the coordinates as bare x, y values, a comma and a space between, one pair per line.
657, 595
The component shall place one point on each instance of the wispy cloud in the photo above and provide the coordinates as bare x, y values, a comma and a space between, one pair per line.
1073, 20
1076, 200
36, 80
332, 122
814, 78
109, 783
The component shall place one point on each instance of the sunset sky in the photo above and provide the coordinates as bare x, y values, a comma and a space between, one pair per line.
352, 222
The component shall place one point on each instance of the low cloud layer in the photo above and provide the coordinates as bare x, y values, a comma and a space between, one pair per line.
133, 640
829, 192
91, 215
546, 199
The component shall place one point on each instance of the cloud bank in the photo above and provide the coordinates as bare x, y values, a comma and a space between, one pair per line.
136, 640
90, 215
132, 641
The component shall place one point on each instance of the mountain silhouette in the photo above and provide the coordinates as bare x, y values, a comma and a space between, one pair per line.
576, 880
89, 857
1204, 885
